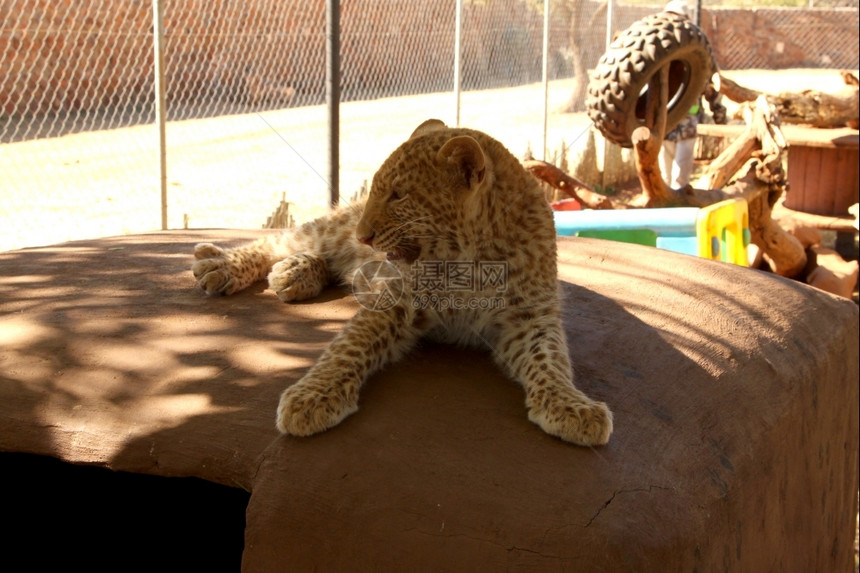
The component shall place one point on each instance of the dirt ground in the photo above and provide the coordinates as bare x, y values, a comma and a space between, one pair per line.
233, 171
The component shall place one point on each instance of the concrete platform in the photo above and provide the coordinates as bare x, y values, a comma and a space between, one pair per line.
735, 397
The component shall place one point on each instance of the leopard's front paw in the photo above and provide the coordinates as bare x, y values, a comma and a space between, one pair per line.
298, 277
212, 270
306, 409
574, 418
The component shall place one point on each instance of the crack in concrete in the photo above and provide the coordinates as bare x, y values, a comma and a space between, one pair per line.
618, 492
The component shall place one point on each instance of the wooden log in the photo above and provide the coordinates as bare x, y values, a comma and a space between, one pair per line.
736, 92
647, 141
762, 181
730, 160
757, 159
783, 252
810, 107
568, 184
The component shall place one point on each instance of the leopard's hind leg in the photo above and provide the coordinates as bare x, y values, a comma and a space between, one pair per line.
298, 264
226, 271
327, 252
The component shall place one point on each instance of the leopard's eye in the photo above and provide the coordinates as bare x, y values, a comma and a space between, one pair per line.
395, 196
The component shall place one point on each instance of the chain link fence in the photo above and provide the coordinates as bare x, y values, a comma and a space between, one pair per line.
245, 85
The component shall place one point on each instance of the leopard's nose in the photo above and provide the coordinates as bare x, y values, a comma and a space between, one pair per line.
366, 239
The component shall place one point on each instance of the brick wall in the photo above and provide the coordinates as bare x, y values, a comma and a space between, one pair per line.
57, 56
778, 38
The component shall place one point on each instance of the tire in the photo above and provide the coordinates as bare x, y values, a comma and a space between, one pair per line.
617, 90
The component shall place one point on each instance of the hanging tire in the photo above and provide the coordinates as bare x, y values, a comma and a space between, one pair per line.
617, 91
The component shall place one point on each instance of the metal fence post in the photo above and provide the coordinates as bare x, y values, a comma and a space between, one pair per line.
603, 151
608, 23
160, 112
458, 28
545, 73
332, 98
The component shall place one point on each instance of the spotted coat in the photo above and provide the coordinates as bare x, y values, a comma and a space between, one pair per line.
447, 198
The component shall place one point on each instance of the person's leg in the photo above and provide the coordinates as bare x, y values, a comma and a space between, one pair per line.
667, 161
684, 154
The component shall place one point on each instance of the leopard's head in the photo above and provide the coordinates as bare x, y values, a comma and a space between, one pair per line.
423, 194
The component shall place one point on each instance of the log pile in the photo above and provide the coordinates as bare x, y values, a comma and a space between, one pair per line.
750, 168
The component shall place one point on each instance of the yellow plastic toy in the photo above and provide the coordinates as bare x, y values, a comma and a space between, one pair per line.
723, 232
719, 232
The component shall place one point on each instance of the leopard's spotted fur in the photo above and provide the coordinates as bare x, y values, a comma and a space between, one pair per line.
444, 195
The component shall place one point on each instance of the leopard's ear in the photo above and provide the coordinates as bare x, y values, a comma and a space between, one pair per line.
428, 126
464, 154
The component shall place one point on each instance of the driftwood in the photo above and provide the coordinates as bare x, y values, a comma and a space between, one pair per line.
809, 107
782, 251
567, 184
647, 142
757, 157
755, 163
751, 168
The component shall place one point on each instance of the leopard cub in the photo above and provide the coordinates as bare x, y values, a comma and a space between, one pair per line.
467, 230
